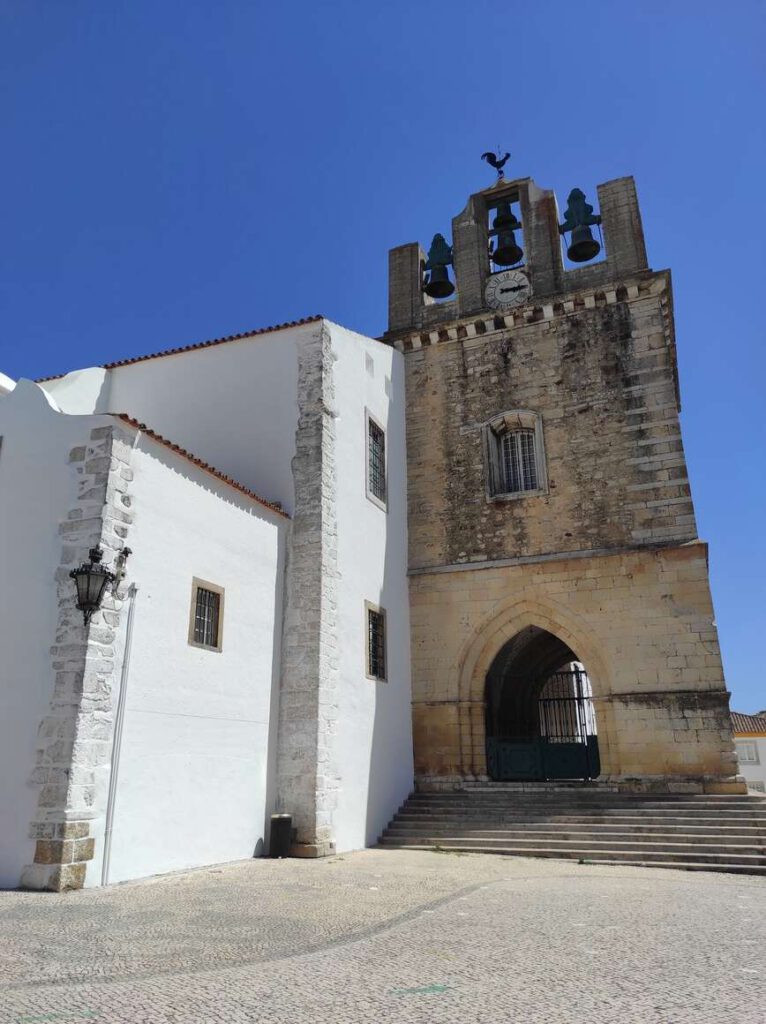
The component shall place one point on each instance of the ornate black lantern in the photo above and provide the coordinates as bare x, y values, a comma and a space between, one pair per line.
91, 580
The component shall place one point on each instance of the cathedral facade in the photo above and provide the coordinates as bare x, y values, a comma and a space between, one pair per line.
336, 568
550, 514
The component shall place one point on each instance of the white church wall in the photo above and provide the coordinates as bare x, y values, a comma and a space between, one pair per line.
234, 405
374, 736
38, 486
81, 392
193, 774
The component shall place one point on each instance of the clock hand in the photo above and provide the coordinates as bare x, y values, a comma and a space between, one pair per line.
517, 288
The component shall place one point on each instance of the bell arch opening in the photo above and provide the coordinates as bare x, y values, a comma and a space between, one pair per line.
539, 717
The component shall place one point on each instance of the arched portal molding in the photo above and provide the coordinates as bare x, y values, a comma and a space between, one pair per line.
507, 619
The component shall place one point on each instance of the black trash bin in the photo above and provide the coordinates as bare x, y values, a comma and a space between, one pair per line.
281, 835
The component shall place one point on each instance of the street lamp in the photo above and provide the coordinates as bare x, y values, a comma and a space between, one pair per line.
91, 580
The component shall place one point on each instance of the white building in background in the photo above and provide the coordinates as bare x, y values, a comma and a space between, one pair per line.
750, 744
254, 655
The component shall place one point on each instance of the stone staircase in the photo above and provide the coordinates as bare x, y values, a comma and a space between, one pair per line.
593, 825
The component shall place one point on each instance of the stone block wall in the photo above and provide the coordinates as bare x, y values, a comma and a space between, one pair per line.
640, 621
600, 371
75, 738
308, 781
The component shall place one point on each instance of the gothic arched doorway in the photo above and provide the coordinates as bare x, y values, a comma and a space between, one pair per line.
539, 712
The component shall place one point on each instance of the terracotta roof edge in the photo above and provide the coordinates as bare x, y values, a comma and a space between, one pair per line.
199, 463
194, 346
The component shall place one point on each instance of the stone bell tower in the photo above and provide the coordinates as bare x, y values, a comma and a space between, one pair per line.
551, 522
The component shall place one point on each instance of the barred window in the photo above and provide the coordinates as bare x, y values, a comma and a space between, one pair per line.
376, 462
519, 464
515, 458
376, 642
206, 619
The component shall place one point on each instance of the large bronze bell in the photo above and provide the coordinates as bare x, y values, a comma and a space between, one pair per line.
583, 246
507, 252
577, 219
439, 285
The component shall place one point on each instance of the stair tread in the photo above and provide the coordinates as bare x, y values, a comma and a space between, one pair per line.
758, 858
723, 832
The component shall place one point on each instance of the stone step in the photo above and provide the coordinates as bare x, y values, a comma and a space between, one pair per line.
522, 800
754, 835
607, 818
629, 852
615, 840
687, 865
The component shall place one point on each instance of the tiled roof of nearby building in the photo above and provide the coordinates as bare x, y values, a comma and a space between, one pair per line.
197, 345
748, 723
273, 506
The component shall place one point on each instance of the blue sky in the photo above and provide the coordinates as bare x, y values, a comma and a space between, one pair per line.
177, 170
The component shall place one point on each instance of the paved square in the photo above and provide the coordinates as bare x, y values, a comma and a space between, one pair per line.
399, 936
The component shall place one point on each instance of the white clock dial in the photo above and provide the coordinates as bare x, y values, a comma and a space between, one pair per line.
506, 289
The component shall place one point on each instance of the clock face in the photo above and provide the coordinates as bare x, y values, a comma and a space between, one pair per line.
506, 289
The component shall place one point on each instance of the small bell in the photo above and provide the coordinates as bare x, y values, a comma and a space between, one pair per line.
507, 251
577, 219
583, 246
438, 285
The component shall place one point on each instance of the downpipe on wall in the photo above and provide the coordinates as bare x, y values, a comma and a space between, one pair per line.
117, 741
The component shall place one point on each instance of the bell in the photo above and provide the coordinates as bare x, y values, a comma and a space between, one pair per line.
507, 251
583, 246
439, 285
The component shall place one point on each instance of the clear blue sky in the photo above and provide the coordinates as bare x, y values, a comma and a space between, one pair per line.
177, 170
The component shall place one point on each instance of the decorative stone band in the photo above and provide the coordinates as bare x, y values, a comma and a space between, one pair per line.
533, 313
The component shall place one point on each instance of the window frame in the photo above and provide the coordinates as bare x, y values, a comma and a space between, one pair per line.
197, 585
494, 474
377, 610
739, 743
381, 503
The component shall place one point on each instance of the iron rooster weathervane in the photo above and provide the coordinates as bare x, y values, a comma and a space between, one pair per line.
496, 161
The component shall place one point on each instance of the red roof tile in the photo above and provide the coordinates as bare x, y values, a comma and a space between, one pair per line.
196, 345
748, 723
273, 506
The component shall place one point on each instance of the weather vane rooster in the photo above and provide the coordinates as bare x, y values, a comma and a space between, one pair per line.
496, 161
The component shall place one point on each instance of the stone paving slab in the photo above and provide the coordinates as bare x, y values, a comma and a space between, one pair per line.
391, 936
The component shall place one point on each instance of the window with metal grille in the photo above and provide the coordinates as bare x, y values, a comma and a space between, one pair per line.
376, 643
206, 615
519, 463
376, 461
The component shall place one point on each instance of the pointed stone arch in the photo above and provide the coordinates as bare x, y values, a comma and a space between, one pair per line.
504, 622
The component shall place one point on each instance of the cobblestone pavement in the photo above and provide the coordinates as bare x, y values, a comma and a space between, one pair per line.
399, 936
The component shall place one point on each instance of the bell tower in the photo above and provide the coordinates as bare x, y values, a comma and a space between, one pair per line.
550, 516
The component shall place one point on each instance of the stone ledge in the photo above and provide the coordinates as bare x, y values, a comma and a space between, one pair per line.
313, 850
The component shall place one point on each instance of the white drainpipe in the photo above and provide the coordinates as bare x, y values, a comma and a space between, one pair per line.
117, 741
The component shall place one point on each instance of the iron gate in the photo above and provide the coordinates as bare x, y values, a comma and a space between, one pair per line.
567, 745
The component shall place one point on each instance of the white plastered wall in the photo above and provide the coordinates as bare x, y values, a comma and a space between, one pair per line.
753, 772
38, 487
374, 733
194, 767
234, 405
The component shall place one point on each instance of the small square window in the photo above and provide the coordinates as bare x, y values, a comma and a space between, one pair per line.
376, 642
206, 616
747, 753
376, 462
